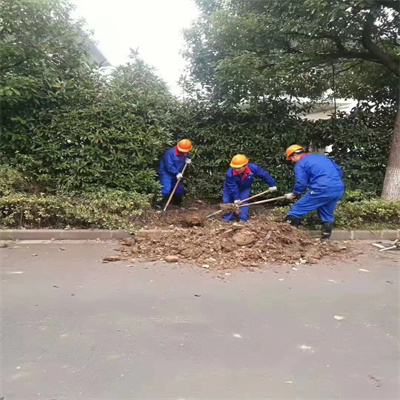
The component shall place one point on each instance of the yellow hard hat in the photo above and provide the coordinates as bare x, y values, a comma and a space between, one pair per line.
239, 161
185, 145
292, 149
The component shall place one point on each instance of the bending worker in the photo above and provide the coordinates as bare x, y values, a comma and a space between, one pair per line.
238, 181
170, 171
323, 179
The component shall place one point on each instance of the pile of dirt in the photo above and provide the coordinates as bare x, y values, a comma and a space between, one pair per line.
213, 244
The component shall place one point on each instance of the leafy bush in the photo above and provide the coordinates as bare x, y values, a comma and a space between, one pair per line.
365, 214
11, 181
107, 209
369, 214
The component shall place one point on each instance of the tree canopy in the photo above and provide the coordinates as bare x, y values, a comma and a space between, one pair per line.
245, 48
248, 49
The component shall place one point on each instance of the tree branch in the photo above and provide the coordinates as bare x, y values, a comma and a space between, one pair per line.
6, 67
350, 67
350, 55
391, 64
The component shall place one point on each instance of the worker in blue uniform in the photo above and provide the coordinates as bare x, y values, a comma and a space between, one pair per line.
170, 172
323, 179
238, 181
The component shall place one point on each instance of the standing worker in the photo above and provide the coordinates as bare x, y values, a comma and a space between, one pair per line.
323, 179
238, 181
170, 171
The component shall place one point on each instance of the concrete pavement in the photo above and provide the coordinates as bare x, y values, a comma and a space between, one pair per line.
76, 328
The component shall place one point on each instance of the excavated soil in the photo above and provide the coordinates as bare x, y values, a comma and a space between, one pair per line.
187, 236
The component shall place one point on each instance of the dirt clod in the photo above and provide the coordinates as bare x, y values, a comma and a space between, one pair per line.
113, 258
193, 219
229, 207
171, 259
244, 238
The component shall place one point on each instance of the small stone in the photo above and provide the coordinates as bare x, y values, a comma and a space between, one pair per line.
171, 259
338, 317
205, 266
34, 255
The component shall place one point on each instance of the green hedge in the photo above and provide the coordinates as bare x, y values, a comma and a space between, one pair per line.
366, 214
105, 209
264, 130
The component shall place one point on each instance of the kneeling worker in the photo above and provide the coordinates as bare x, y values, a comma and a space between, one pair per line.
238, 181
323, 179
170, 171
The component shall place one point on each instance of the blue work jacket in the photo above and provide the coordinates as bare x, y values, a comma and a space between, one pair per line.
235, 183
317, 172
172, 162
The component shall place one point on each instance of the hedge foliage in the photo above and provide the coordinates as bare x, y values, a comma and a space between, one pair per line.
262, 131
106, 209
21, 206
365, 214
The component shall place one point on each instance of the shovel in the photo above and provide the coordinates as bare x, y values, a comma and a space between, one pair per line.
246, 205
176, 186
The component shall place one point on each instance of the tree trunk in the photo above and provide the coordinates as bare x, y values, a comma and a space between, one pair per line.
391, 185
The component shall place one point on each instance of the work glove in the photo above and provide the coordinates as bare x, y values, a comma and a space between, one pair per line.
290, 196
273, 188
179, 176
188, 161
237, 204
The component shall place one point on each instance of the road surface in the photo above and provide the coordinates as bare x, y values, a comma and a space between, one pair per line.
74, 328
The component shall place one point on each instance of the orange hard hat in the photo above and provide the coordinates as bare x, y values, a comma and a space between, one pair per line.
292, 149
239, 161
185, 145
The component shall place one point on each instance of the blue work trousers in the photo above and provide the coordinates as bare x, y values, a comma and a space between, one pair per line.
324, 201
243, 212
168, 183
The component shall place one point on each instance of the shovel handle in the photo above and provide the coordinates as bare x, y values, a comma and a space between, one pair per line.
173, 192
262, 201
253, 197
213, 214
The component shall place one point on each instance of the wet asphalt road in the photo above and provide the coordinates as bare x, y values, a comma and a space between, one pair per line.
76, 328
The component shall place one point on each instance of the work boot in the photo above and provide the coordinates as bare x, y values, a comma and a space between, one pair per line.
326, 230
178, 200
161, 204
293, 221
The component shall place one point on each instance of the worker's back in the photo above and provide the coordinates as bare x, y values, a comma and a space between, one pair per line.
319, 172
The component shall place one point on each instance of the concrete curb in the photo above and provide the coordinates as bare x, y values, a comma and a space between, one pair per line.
104, 234
60, 234
361, 235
